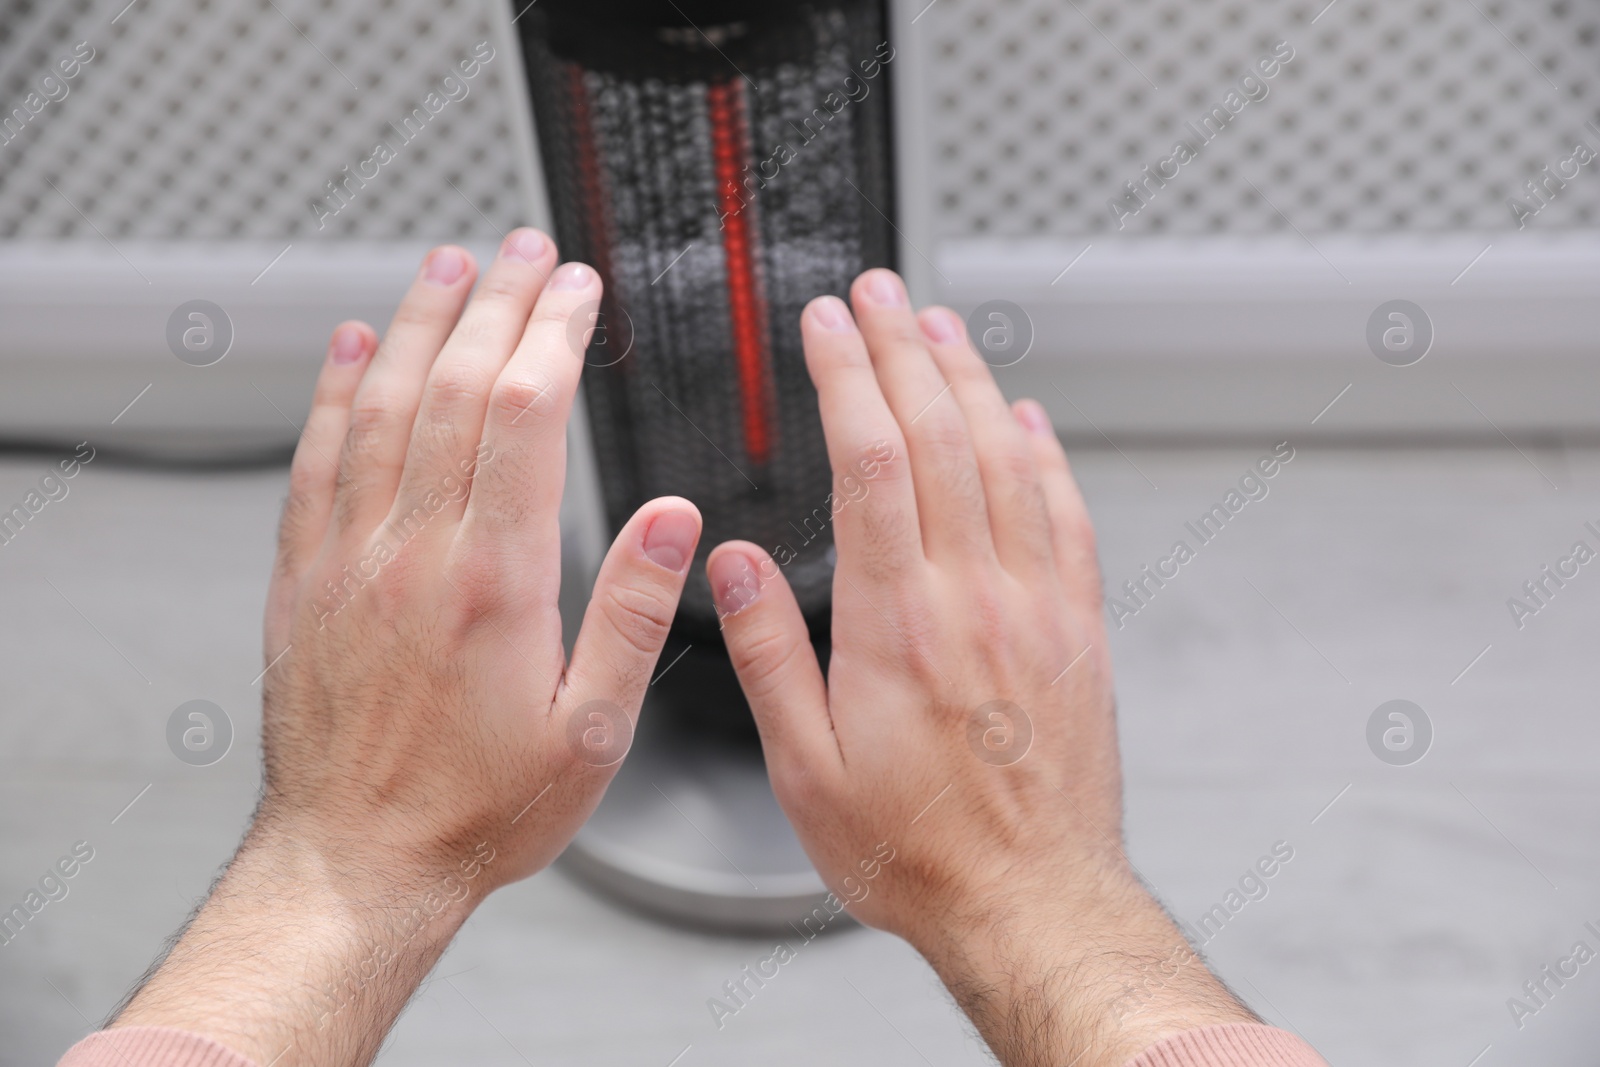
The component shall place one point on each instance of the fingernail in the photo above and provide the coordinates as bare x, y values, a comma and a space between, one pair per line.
573, 276
444, 266
349, 344
831, 314
1033, 418
734, 582
525, 244
669, 540
885, 289
940, 325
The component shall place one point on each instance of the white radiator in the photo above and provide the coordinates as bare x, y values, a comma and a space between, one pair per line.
1413, 150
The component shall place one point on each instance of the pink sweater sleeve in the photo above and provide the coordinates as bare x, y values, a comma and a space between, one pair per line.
1231, 1045
150, 1046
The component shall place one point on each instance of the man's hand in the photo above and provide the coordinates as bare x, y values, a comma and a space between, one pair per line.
425, 740
955, 776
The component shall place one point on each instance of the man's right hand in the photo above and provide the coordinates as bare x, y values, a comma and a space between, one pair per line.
955, 776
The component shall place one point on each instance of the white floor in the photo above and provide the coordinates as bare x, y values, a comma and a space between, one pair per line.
1414, 906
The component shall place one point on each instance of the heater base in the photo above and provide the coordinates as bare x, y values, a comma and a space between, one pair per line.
689, 830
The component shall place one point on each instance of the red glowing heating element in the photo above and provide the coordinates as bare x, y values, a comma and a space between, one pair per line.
746, 303
591, 192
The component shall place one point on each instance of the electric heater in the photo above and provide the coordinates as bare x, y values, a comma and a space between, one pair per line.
721, 164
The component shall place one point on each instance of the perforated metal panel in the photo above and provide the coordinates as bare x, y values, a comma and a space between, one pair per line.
211, 119
1392, 116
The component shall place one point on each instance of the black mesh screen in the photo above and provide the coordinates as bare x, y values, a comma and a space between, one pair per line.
720, 164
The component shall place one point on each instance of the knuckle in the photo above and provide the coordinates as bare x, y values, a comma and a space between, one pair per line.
879, 463
641, 617
845, 353
943, 434
917, 627
960, 363
329, 415
479, 327
987, 612
879, 460
370, 417
453, 384
557, 309
415, 316
330, 393
903, 336
762, 658
962, 482
513, 398
503, 287
388, 588
479, 585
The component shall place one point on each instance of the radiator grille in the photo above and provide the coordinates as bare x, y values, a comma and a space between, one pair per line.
208, 120
1399, 116
211, 120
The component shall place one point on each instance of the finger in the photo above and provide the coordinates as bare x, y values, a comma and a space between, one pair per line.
635, 598
314, 473
878, 532
513, 510
1072, 533
1018, 523
777, 666
385, 404
944, 470
450, 418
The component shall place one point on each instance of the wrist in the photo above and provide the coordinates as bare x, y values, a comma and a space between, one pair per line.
1089, 968
303, 956
371, 878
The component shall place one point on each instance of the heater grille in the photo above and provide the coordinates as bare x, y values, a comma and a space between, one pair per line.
1392, 116
213, 120
719, 189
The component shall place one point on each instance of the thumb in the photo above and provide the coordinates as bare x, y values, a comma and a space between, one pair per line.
635, 597
772, 653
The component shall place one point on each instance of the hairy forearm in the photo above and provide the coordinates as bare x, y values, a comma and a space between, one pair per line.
299, 960
1088, 977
